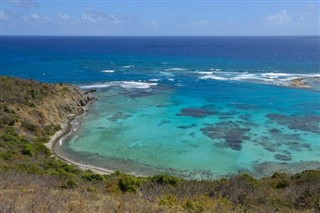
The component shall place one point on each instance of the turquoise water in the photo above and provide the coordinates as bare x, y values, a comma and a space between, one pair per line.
207, 132
196, 107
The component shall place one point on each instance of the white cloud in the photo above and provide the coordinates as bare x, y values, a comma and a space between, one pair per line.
4, 15
94, 16
64, 16
114, 19
280, 18
36, 18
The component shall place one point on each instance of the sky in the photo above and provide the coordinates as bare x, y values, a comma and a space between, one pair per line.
160, 17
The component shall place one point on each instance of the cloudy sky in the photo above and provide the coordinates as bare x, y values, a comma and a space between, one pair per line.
159, 17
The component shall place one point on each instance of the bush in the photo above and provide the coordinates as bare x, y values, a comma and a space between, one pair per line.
30, 127
168, 200
27, 150
166, 179
282, 184
51, 129
91, 177
70, 184
40, 148
193, 206
129, 183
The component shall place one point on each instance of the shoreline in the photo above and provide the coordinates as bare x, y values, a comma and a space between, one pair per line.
66, 128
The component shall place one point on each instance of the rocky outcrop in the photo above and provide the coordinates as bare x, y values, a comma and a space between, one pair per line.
31, 106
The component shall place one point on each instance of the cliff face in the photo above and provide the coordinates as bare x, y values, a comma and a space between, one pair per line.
34, 108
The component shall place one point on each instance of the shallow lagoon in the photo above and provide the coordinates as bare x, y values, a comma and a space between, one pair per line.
198, 128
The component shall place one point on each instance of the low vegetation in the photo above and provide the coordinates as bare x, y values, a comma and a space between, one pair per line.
32, 180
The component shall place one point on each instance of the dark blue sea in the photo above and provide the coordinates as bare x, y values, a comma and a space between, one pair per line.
196, 107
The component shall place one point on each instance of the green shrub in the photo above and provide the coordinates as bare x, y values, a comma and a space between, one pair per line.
8, 137
282, 184
70, 169
40, 148
129, 183
91, 177
8, 155
27, 150
168, 200
70, 184
51, 129
193, 206
166, 179
30, 127
42, 139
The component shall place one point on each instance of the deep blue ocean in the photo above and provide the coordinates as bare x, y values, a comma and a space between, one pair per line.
196, 107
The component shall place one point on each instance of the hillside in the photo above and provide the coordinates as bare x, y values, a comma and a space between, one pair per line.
32, 180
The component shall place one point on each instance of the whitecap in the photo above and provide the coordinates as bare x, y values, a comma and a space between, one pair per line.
175, 69
280, 79
154, 80
136, 85
167, 74
214, 77
108, 71
128, 66
205, 73
215, 69
123, 84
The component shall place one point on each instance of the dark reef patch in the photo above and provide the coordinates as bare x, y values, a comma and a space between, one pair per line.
274, 131
308, 123
193, 134
277, 138
282, 157
187, 127
232, 133
164, 121
267, 144
197, 112
245, 106
245, 117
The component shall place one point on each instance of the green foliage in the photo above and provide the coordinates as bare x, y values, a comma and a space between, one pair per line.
70, 184
193, 206
248, 179
8, 155
30, 127
42, 139
168, 200
30, 168
41, 149
51, 129
308, 176
28, 150
128, 183
92, 177
166, 179
282, 184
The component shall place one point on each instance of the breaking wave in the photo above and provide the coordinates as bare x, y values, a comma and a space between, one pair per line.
108, 71
122, 84
281, 79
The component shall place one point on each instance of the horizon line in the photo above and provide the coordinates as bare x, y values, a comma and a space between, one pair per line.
160, 35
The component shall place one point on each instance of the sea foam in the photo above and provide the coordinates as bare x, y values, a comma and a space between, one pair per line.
108, 71
281, 79
122, 84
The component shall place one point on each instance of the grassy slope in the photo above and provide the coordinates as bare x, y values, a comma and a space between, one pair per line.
31, 180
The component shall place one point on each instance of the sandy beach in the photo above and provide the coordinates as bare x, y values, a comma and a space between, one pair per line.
60, 135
